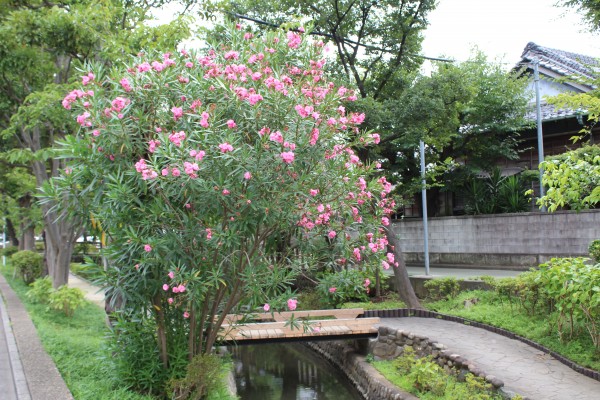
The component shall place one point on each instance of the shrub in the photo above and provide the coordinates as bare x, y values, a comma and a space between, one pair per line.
41, 290
66, 300
442, 288
9, 251
202, 377
28, 264
344, 286
594, 250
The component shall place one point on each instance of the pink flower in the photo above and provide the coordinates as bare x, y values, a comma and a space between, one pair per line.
367, 282
176, 172
332, 290
170, 300
247, 175
356, 253
232, 55
186, 315
294, 40
147, 248
332, 234
276, 137
390, 257
385, 265
266, 307
225, 147
68, 171
376, 138
177, 112
208, 233
225, 192
313, 192
181, 288
152, 145
125, 84
385, 221
292, 303
171, 274
254, 98
287, 157
177, 138
165, 287
231, 124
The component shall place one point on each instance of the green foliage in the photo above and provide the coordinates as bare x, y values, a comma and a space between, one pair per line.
496, 193
9, 251
66, 300
442, 288
572, 179
574, 288
202, 377
405, 361
426, 379
136, 357
88, 270
594, 250
28, 264
214, 191
344, 286
40, 290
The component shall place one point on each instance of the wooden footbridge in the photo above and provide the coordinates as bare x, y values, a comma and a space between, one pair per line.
298, 326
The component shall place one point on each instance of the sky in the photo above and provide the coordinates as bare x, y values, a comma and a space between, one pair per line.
502, 29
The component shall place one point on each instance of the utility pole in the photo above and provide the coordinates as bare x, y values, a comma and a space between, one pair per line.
540, 136
424, 201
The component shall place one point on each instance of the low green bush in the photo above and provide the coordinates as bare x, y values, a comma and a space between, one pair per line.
594, 250
442, 288
40, 290
202, 377
9, 251
66, 300
344, 286
28, 265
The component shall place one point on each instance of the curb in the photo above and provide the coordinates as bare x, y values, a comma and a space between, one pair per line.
40, 372
410, 312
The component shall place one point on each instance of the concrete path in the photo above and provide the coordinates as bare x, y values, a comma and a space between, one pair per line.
92, 293
459, 273
524, 369
26, 371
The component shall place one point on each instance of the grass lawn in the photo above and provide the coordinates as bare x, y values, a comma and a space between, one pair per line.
77, 347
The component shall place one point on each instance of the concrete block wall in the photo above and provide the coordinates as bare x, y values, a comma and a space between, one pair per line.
519, 240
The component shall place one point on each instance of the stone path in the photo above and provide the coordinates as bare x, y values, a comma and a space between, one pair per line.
92, 293
524, 369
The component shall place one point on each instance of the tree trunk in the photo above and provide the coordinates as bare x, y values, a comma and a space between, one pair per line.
27, 241
403, 285
11, 233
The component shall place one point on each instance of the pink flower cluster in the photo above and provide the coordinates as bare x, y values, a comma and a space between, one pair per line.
145, 170
73, 96
86, 79
177, 138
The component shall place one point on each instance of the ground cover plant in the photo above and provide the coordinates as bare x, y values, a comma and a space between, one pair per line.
424, 378
208, 174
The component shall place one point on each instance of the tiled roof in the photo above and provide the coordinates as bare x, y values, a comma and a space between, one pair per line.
550, 113
562, 62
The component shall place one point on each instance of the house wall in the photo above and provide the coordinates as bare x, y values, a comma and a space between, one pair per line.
515, 241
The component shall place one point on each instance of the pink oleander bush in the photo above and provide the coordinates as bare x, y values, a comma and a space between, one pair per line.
212, 173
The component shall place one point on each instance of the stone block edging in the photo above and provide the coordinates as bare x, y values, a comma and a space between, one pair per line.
409, 312
391, 342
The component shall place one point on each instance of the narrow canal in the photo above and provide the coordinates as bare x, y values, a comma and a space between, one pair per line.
287, 372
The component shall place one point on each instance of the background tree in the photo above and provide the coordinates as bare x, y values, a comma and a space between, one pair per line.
590, 9
42, 47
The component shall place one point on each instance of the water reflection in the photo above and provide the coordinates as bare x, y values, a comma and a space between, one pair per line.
287, 372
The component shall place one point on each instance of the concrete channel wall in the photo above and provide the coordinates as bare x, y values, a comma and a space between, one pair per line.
517, 241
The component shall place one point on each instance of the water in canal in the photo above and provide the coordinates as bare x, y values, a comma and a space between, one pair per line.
287, 372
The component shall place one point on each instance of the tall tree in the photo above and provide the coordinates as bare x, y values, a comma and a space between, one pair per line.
44, 47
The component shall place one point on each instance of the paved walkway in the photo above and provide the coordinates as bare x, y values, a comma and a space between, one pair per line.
92, 293
26, 371
524, 369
